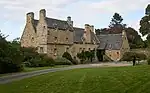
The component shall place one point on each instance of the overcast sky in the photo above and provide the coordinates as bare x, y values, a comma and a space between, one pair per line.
95, 12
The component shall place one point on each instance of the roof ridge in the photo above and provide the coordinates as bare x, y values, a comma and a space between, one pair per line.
56, 19
78, 28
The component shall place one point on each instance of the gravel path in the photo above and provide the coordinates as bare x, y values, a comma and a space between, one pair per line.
19, 76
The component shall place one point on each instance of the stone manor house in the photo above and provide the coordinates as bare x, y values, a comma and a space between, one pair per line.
54, 37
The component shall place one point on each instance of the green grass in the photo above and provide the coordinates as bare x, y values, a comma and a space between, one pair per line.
29, 69
90, 80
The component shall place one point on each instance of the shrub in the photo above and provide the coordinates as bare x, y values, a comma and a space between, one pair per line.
62, 61
128, 56
148, 61
48, 61
81, 56
68, 56
10, 57
141, 56
39, 60
86, 56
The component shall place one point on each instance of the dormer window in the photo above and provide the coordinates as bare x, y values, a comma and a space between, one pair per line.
55, 25
110, 46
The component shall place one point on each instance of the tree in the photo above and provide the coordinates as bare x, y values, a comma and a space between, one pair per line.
134, 39
147, 10
145, 24
10, 56
116, 20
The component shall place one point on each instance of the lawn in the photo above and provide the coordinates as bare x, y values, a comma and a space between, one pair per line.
89, 80
29, 69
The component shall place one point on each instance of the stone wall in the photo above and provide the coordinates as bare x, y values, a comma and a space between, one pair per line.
125, 45
28, 38
113, 54
42, 33
60, 36
57, 50
77, 48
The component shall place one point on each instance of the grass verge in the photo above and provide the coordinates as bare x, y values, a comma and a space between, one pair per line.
90, 80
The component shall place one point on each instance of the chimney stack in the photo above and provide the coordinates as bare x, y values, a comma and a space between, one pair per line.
42, 14
69, 21
30, 17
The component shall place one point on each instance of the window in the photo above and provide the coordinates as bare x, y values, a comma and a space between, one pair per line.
55, 38
80, 50
83, 49
41, 49
55, 51
48, 32
67, 38
67, 49
32, 39
89, 49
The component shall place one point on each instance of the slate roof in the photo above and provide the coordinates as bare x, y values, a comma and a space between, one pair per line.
78, 34
110, 41
36, 22
53, 23
61, 24
94, 38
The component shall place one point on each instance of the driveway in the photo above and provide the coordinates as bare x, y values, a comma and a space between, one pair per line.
19, 76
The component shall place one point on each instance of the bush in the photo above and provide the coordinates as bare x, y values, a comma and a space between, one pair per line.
39, 60
141, 56
62, 61
128, 56
68, 56
10, 57
86, 56
148, 61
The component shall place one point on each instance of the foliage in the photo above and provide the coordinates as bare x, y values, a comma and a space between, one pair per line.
134, 39
128, 56
141, 56
87, 55
81, 56
145, 24
10, 57
116, 20
69, 57
62, 61
147, 10
33, 59
148, 61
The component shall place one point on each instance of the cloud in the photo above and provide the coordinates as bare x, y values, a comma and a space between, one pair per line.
121, 6
95, 12
18, 8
